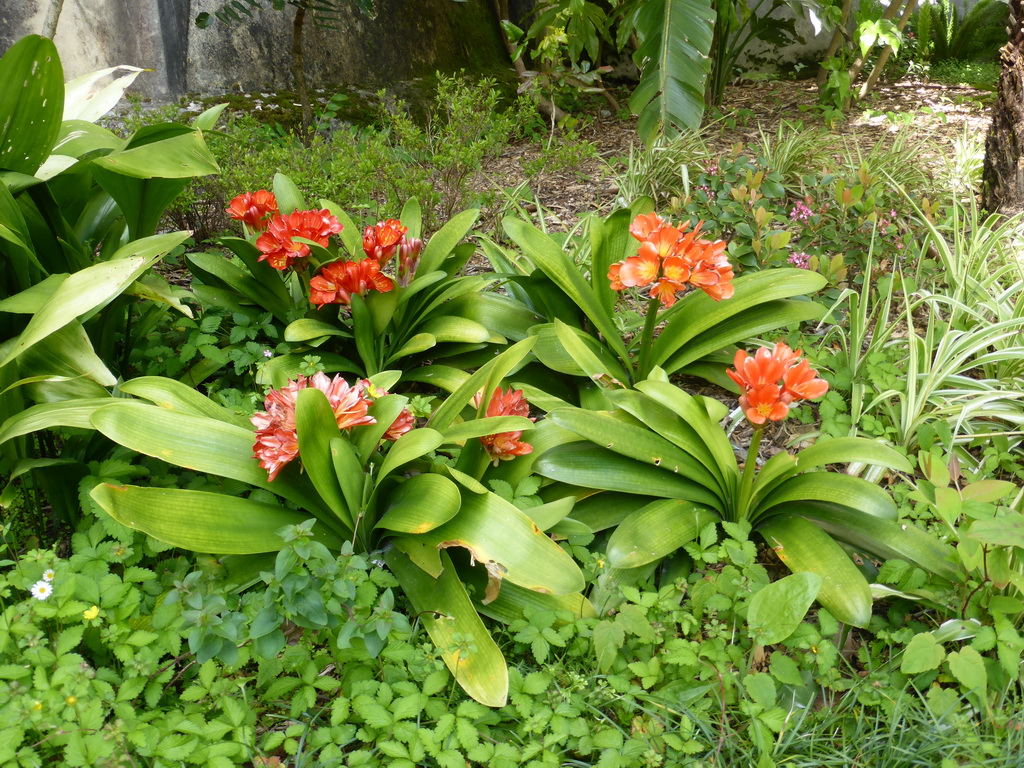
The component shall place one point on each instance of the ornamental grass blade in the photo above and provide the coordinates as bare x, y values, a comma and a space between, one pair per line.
591, 466
510, 545
656, 530
419, 504
830, 488
454, 625
883, 539
199, 521
803, 546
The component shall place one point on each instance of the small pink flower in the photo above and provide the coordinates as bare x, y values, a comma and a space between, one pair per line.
799, 259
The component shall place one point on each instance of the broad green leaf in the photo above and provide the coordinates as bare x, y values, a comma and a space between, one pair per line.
448, 328
351, 235
675, 39
31, 103
203, 522
883, 539
499, 314
590, 358
482, 380
350, 473
175, 396
610, 242
421, 342
590, 466
93, 288
637, 443
777, 609
922, 654
987, 491
66, 413
606, 509
504, 540
845, 450
67, 352
420, 504
491, 425
316, 426
803, 546
968, 667
409, 447
443, 242
555, 263
697, 316
201, 444
223, 271
455, 627
289, 198
1006, 530
92, 95
412, 218
831, 488
656, 530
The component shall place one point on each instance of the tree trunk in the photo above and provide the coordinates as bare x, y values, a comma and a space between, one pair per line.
299, 73
52, 16
1003, 175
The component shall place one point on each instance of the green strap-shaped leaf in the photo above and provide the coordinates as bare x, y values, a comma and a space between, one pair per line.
637, 443
67, 352
509, 544
555, 263
454, 625
831, 488
316, 427
515, 602
499, 314
412, 217
420, 503
385, 410
214, 265
31, 103
675, 39
66, 413
884, 539
409, 447
203, 522
491, 425
803, 546
843, 450
696, 314
443, 242
86, 99
175, 396
694, 413
606, 509
289, 198
202, 444
307, 329
421, 342
656, 530
610, 242
351, 475
448, 328
271, 279
485, 379
589, 466
93, 288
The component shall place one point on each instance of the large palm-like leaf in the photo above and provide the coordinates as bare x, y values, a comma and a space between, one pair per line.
675, 39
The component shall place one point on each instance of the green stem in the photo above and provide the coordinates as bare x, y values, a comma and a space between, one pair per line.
646, 339
747, 481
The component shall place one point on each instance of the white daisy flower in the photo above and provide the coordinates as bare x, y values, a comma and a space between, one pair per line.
48, 574
41, 590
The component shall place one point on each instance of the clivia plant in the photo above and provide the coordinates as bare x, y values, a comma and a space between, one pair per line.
660, 442
685, 281
363, 301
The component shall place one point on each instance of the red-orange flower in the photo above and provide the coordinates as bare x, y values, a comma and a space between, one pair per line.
403, 423
279, 248
504, 446
338, 281
674, 258
381, 242
277, 442
772, 380
764, 402
254, 209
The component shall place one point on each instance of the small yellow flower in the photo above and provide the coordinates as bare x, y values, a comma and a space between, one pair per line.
37, 706
71, 701
91, 613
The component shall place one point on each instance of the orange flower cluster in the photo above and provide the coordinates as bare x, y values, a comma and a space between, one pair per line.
254, 209
338, 281
504, 446
277, 441
382, 241
772, 380
278, 246
673, 259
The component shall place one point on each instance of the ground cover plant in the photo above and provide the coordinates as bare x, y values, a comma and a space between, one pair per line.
726, 473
